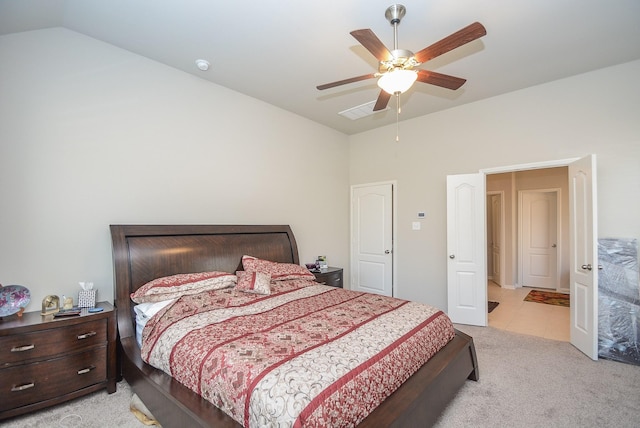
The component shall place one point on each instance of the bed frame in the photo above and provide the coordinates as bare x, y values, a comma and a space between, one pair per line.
142, 253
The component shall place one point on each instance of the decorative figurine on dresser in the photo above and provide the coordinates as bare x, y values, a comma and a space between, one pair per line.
48, 357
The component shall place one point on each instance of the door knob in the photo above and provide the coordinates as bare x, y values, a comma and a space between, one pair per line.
586, 267
387, 251
452, 256
554, 246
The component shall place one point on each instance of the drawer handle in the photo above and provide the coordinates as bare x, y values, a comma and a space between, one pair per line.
85, 371
23, 387
22, 348
86, 335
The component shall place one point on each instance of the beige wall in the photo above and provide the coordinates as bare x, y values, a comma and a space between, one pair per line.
92, 135
596, 112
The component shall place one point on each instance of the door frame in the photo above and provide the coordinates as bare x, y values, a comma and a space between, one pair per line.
394, 230
558, 193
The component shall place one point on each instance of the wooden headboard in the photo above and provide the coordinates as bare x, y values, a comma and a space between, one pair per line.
142, 253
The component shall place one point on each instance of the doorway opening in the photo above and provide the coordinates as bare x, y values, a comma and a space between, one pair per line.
528, 228
535, 252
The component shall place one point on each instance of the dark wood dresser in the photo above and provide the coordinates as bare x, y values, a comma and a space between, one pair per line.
47, 360
331, 276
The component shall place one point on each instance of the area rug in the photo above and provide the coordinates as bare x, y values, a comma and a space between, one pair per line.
548, 297
492, 305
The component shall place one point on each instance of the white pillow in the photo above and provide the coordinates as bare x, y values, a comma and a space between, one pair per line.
144, 312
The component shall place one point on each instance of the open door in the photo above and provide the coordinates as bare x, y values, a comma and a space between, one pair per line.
584, 255
495, 237
467, 261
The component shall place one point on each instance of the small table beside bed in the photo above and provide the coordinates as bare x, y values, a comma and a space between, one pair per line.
237, 333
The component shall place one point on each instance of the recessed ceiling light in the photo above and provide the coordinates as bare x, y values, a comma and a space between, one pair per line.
202, 64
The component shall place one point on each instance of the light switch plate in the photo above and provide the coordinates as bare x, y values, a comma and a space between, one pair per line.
415, 225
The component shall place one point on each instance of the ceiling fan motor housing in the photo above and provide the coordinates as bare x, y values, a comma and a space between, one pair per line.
395, 13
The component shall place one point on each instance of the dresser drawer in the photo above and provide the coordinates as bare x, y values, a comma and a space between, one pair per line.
32, 383
21, 348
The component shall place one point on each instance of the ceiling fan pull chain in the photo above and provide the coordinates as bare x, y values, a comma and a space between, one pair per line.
397, 116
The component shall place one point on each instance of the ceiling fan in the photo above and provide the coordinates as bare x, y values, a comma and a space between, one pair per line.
398, 70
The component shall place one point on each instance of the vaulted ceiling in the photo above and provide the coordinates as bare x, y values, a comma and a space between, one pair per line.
279, 51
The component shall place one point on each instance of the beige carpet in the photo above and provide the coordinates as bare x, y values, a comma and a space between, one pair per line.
525, 381
97, 410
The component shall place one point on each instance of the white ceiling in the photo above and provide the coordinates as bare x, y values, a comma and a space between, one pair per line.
279, 51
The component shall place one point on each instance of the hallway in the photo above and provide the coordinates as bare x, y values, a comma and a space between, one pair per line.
535, 319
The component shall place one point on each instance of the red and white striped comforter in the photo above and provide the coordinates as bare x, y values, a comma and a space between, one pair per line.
307, 355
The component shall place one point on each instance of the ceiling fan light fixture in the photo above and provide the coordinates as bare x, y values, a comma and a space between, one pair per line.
397, 81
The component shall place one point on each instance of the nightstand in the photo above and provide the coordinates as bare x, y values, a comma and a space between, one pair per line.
46, 360
330, 276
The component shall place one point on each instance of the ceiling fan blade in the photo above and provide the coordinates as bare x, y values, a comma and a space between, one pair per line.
345, 81
455, 40
438, 79
383, 100
372, 43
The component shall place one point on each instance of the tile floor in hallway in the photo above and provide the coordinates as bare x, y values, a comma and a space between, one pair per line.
536, 319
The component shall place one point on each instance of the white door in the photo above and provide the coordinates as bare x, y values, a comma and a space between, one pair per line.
466, 257
538, 239
583, 274
372, 238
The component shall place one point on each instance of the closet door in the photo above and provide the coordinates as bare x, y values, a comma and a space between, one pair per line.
372, 238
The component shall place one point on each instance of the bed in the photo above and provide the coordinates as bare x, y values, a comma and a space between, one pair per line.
142, 253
